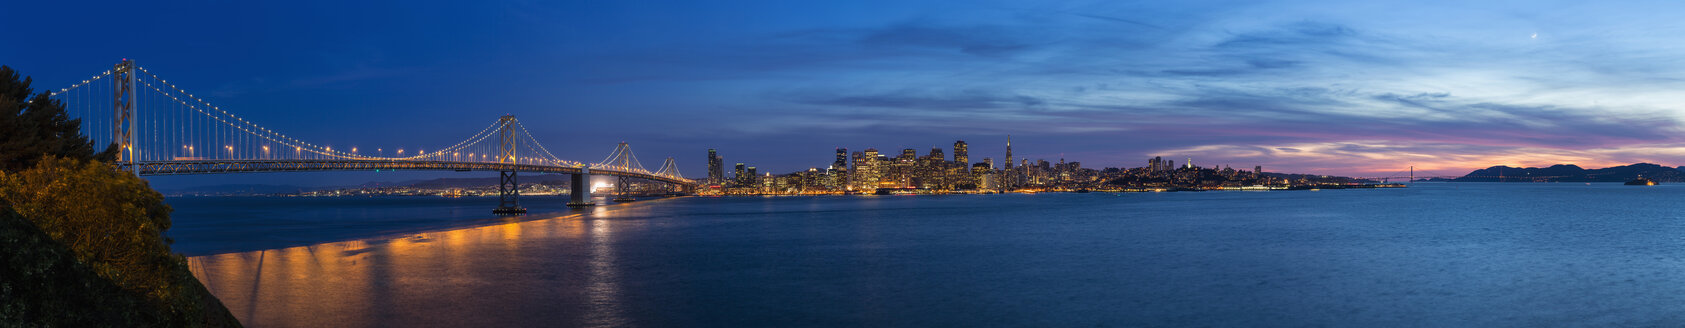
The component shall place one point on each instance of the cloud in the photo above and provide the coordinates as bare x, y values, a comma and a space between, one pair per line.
980, 40
1337, 86
962, 100
1360, 157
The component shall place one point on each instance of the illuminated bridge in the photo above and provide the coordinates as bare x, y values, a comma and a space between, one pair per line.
162, 130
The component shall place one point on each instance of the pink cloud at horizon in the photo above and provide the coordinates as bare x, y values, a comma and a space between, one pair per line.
1378, 158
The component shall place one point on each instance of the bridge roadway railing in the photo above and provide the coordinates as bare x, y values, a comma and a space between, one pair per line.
182, 167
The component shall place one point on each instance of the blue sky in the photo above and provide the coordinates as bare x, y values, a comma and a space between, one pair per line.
1330, 87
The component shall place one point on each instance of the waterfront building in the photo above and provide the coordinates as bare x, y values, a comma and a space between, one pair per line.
838, 174
738, 175
716, 169
868, 170
901, 170
842, 160
962, 155
864, 171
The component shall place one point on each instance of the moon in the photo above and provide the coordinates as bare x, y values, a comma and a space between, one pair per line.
1535, 35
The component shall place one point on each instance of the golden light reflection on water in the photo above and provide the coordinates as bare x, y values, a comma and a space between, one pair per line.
427, 278
603, 286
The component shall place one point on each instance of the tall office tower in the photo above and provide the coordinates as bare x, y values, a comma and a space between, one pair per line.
962, 155
842, 160
909, 154
868, 169
855, 169
839, 169
932, 172
739, 175
1258, 170
716, 169
989, 162
1009, 152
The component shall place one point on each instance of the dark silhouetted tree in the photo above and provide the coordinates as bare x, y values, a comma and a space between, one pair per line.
36, 126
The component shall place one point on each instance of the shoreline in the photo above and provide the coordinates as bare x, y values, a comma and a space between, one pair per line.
400, 233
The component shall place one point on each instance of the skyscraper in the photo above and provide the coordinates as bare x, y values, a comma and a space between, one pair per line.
842, 160
739, 174
1009, 152
962, 155
716, 169
839, 169
868, 170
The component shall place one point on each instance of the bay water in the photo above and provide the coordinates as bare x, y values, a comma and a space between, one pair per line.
1434, 254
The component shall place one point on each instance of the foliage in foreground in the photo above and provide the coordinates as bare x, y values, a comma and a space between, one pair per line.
82, 244
110, 219
113, 225
44, 285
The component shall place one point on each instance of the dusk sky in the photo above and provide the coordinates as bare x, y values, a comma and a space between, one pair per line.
1327, 87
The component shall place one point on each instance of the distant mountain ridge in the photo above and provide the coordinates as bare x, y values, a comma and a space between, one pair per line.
1574, 173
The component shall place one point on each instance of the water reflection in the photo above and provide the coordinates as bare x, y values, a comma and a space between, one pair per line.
562, 268
603, 285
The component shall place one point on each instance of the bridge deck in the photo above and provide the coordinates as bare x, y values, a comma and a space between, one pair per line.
254, 166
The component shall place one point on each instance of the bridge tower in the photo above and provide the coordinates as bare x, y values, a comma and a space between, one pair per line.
623, 184
508, 188
671, 169
123, 105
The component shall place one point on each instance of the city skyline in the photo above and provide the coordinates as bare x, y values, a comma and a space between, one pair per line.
1312, 87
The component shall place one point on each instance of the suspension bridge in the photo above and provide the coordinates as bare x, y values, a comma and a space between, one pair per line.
161, 129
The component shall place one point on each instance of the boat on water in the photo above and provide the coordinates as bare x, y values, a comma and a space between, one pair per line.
1641, 181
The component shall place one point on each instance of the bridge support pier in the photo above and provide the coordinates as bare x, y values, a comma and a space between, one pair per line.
508, 194
581, 189
623, 190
